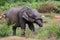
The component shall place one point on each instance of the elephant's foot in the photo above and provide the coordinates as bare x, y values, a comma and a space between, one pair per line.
14, 34
23, 35
35, 32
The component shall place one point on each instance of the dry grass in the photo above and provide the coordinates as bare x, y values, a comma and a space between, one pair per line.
46, 7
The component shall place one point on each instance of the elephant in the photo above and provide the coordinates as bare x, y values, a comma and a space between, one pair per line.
22, 15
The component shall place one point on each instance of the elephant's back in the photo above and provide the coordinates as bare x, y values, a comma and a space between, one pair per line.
12, 13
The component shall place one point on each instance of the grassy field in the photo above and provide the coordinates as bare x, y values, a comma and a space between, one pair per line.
51, 25
50, 29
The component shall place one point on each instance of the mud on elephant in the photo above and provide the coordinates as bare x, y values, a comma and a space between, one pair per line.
22, 15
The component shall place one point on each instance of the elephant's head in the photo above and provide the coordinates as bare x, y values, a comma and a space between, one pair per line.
33, 16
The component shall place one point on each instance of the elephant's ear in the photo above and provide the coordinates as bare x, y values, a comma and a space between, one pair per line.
26, 17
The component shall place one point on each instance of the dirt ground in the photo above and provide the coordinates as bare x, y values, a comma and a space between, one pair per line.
16, 38
24, 38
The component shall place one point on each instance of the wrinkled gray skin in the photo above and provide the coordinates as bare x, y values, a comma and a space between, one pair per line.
22, 15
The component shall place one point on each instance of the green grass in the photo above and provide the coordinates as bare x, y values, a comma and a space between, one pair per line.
48, 30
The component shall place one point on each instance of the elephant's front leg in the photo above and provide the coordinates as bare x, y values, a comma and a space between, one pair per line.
32, 28
14, 31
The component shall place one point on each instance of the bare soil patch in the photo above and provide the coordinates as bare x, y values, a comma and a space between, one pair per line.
57, 16
16, 38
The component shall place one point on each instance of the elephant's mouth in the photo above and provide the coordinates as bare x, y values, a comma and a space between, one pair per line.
39, 22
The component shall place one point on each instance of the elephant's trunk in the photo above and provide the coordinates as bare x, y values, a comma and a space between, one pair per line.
39, 23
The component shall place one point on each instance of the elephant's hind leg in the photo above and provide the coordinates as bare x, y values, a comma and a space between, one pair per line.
14, 31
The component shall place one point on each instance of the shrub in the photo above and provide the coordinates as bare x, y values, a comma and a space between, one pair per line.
1, 11
4, 29
46, 7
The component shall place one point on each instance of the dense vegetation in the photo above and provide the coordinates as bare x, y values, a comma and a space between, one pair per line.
5, 4
48, 30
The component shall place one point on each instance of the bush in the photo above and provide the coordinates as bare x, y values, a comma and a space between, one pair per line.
1, 11
58, 7
4, 29
46, 7
32, 5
